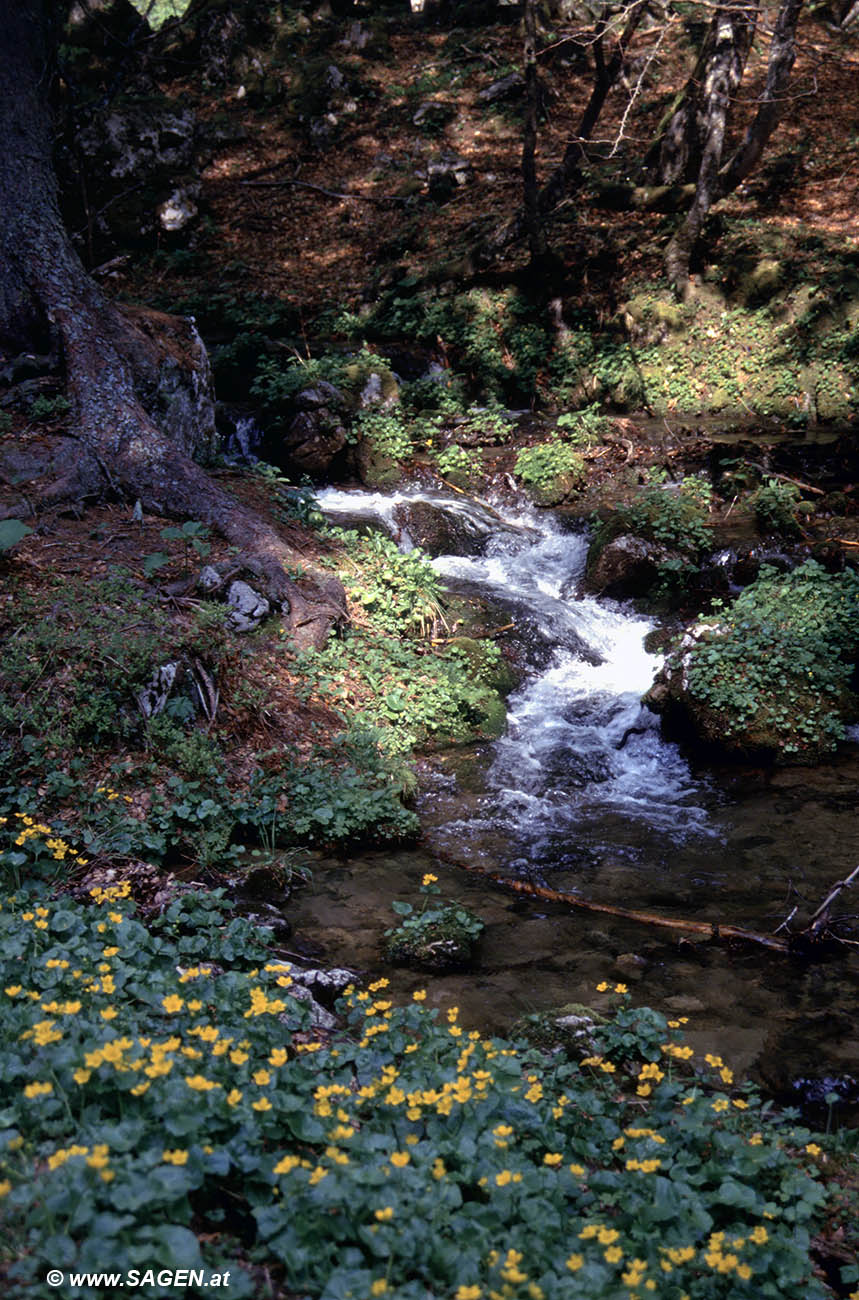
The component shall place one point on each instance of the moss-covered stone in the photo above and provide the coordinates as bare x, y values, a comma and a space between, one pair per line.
567, 1029
444, 939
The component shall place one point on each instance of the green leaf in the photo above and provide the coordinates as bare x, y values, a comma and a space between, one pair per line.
11, 532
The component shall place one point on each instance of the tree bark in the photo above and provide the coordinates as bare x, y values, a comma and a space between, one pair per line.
680, 147
530, 191
714, 180
129, 420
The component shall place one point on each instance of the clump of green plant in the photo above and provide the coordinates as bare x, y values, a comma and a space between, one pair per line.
49, 408
774, 668
399, 592
410, 695
463, 465
547, 465
154, 1072
387, 431
438, 937
192, 534
676, 515
775, 504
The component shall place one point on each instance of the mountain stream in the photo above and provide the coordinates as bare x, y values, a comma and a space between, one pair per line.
572, 798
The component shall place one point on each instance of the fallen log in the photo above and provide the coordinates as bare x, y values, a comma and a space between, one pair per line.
800, 943
712, 929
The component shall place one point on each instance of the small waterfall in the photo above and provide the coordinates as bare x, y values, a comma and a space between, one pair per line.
569, 781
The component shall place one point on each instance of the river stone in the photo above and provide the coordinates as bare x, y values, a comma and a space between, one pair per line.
625, 566
568, 1029
686, 1004
630, 965
437, 531
247, 608
312, 441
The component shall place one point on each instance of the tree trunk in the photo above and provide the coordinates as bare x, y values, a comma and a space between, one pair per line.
530, 190
731, 38
679, 149
135, 418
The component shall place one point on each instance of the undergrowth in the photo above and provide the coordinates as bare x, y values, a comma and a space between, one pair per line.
780, 658
164, 1097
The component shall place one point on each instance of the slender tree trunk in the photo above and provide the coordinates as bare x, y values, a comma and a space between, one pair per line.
130, 426
680, 147
732, 37
530, 191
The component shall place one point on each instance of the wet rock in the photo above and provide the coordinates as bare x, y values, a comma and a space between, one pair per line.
320, 1018
247, 608
438, 531
630, 965
626, 565
312, 441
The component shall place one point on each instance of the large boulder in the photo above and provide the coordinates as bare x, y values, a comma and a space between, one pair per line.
627, 565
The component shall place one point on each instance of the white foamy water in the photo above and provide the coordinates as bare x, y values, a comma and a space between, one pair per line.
558, 778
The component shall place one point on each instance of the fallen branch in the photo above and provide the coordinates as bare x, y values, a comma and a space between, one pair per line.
319, 189
712, 929
821, 916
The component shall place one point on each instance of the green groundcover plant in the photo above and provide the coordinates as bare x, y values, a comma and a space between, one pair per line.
165, 1103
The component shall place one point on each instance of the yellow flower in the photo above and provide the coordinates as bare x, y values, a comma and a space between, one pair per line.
603, 986
400, 1159
577, 1170
552, 1158
172, 1004
419, 995
234, 1097
386, 1214
759, 1235
5, 1187
720, 1105
621, 988
468, 1293
262, 1104
614, 1254
438, 1168
278, 1056
82, 1076
261, 1077
429, 879
575, 1262
176, 1157
38, 1089
198, 1083
287, 1164
379, 1287
607, 1236
813, 1149
727, 1075
109, 1013
14, 989
238, 1058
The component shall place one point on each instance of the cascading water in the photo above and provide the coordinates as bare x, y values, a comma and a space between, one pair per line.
582, 770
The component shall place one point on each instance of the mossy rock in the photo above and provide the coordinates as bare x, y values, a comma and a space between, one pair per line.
448, 943
762, 283
496, 674
556, 491
568, 1029
376, 468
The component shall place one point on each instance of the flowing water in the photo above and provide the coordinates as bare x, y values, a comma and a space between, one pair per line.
583, 793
